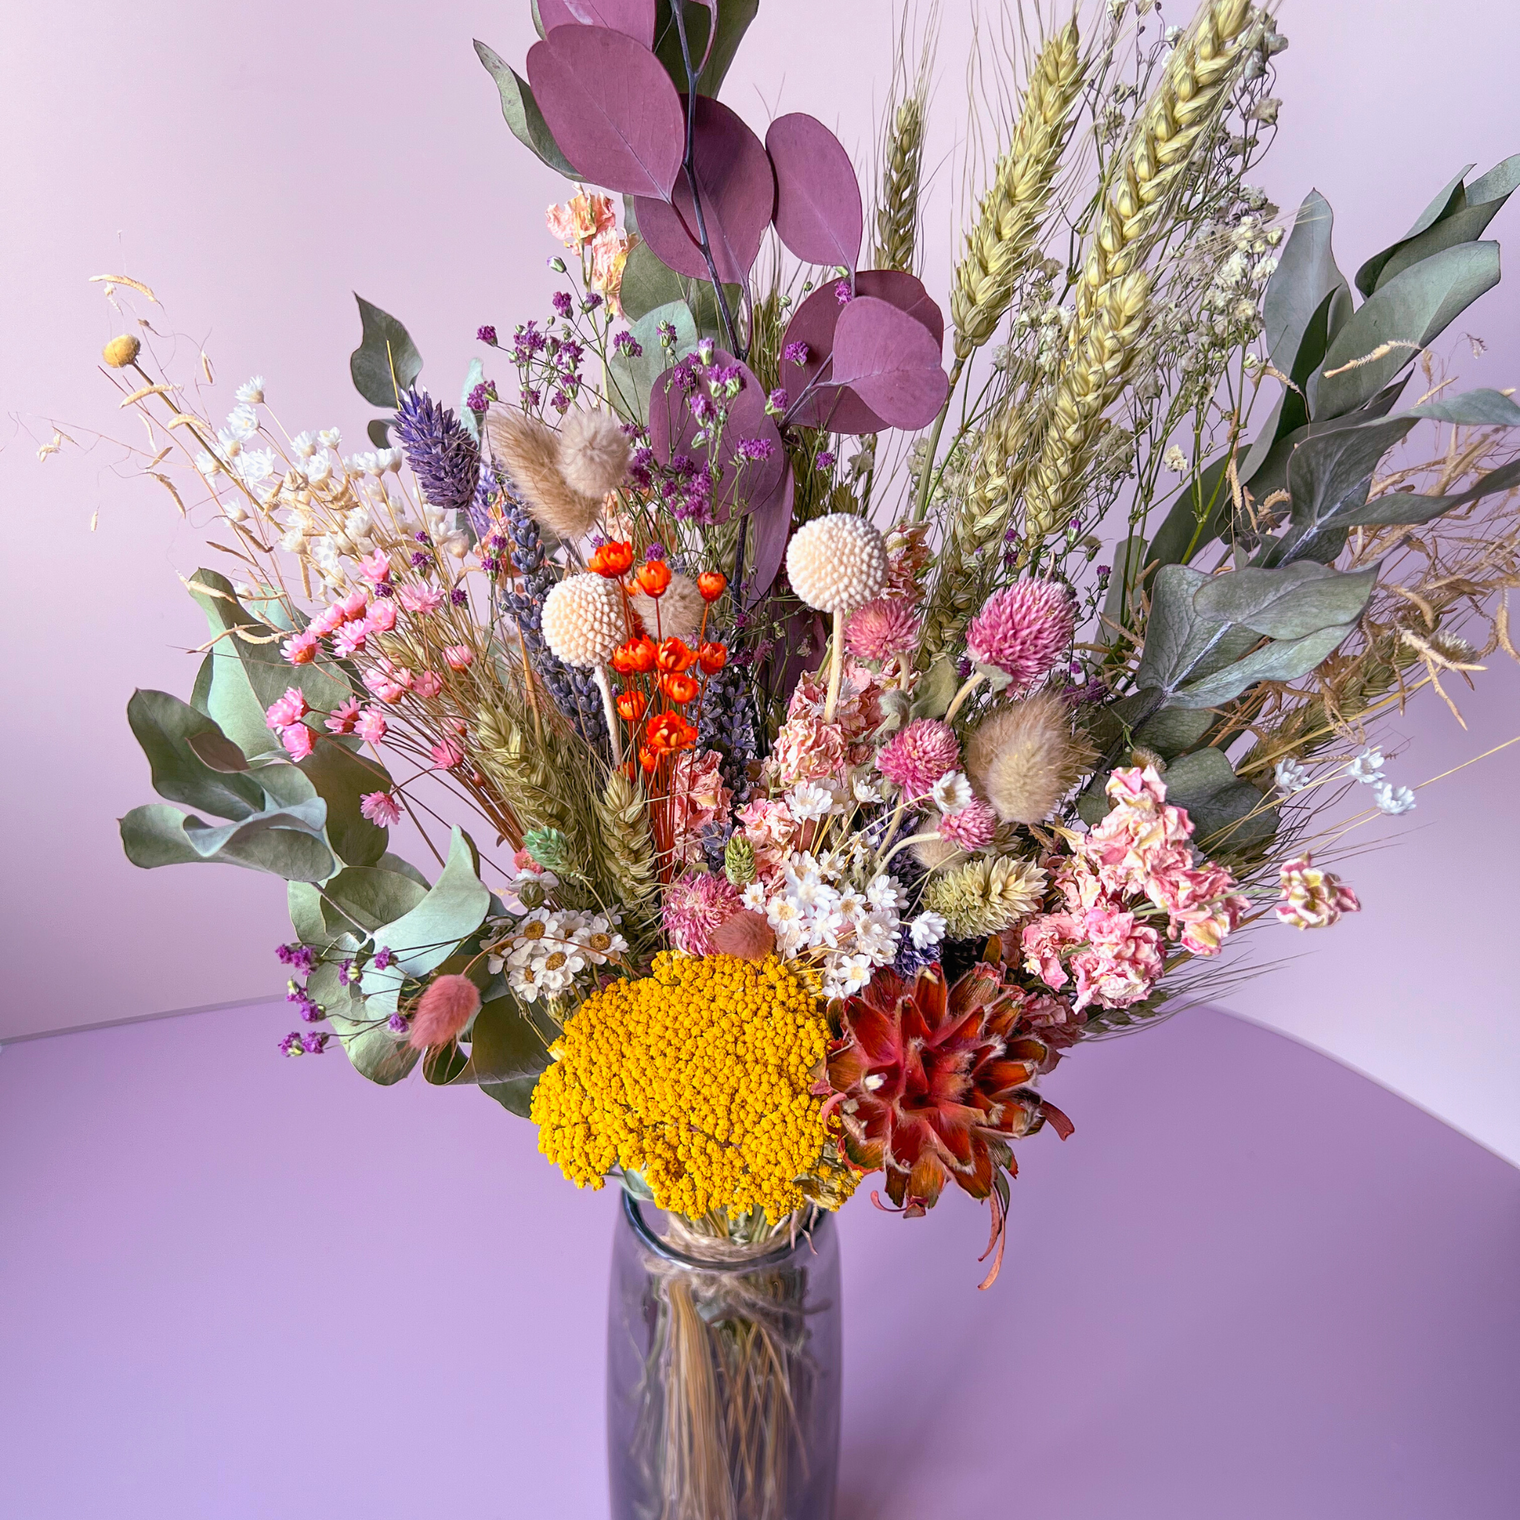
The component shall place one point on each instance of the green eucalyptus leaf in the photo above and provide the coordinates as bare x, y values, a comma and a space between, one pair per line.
218, 753
1303, 285
1195, 518
1283, 660
648, 283
378, 431
505, 1046
521, 111
1174, 731
1405, 507
1482, 408
1181, 644
1405, 314
1287, 603
304, 900
342, 778
1124, 578
284, 842
734, 17
386, 361
936, 691
631, 379
167, 729
368, 1042
444, 1064
390, 862
362, 899
1218, 802
154, 836
473, 376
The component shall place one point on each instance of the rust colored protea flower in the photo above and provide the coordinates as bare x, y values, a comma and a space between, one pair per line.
934, 1081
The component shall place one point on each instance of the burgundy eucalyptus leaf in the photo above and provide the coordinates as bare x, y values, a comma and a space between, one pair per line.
711, 7
738, 192
830, 407
819, 215
751, 458
891, 361
611, 107
768, 536
634, 18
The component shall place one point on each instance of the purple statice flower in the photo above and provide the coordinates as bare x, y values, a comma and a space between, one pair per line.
397, 1023
421, 558
486, 334
291, 1044
346, 973
562, 302
911, 960
666, 332
442, 455
560, 401
313, 1044
481, 396
311, 1010
384, 589
301, 959
530, 398
753, 450
795, 353
591, 302
843, 294
425, 539
383, 957
777, 402
825, 460
527, 341
459, 597
655, 551
626, 343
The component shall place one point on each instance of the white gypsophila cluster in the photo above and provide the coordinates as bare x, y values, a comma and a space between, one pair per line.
543, 953
817, 913
1231, 305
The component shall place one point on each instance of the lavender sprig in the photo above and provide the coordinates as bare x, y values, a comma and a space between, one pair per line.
442, 455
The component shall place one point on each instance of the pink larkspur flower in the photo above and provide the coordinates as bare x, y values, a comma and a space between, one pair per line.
806, 749
376, 567
696, 905
299, 741
971, 828
341, 719
1122, 962
770, 830
459, 656
1202, 905
427, 685
420, 600
698, 797
883, 629
301, 649
1023, 630
291, 708
1141, 837
918, 756
1044, 940
371, 725
446, 755
382, 617
1313, 898
381, 808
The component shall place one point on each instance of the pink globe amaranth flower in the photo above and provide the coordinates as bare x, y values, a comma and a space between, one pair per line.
301, 649
971, 828
370, 725
382, 617
1313, 898
427, 685
449, 1003
883, 629
291, 708
917, 757
376, 567
1023, 630
1122, 962
446, 755
381, 808
695, 906
341, 719
459, 656
299, 741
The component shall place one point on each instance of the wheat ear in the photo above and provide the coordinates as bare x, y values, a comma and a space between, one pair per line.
1004, 240
625, 842
901, 184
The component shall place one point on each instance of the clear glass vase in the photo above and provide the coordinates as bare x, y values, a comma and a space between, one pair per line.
723, 1376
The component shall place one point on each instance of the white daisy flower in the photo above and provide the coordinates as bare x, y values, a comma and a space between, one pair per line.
251, 392
951, 793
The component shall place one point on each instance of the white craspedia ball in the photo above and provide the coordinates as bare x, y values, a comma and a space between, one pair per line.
837, 563
593, 452
583, 619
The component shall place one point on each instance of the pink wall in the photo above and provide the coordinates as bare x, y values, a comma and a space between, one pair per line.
256, 163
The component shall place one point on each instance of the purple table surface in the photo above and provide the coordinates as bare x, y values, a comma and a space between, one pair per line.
1253, 1285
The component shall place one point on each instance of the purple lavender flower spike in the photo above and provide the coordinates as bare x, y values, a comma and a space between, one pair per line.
442, 455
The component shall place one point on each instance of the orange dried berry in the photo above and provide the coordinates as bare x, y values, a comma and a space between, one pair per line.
713, 657
712, 584
654, 577
679, 688
613, 559
636, 657
631, 705
674, 655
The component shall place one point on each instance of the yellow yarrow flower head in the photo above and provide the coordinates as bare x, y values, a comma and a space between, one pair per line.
699, 1078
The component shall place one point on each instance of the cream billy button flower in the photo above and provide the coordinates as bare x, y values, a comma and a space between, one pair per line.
837, 563
583, 620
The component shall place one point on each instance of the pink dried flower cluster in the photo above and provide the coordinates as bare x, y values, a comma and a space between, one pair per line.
1140, 853
771, 831
284, 717
381, 808
695, 906
1023, 630
1313, 898
919, 755
807, 748
698, 797
883, 629
972, 828
908, 557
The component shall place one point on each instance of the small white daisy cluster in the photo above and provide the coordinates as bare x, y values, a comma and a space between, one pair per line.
544, 952
1366, 769
819, 913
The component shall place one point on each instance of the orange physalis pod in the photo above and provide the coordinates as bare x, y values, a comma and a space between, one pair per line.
654, 577
679, 688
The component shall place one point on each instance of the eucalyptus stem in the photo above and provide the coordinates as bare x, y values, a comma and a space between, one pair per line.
926, 484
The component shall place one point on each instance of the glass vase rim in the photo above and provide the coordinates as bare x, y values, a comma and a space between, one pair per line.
634, 1214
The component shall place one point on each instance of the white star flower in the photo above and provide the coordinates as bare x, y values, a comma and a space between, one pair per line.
304, 445
251, 392
207, 464
807, 800
951, 793
242, 422
330, 437
1391, 799
1290, 775
927, 929
885, 892
866, 791
1367, 767
753, 897
318, 469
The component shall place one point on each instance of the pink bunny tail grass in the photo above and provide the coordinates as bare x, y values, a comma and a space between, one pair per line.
445, 1008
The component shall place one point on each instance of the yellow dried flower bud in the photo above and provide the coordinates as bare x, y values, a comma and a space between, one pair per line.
122, 351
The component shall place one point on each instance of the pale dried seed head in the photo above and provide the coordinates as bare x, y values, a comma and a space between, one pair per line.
529, 451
